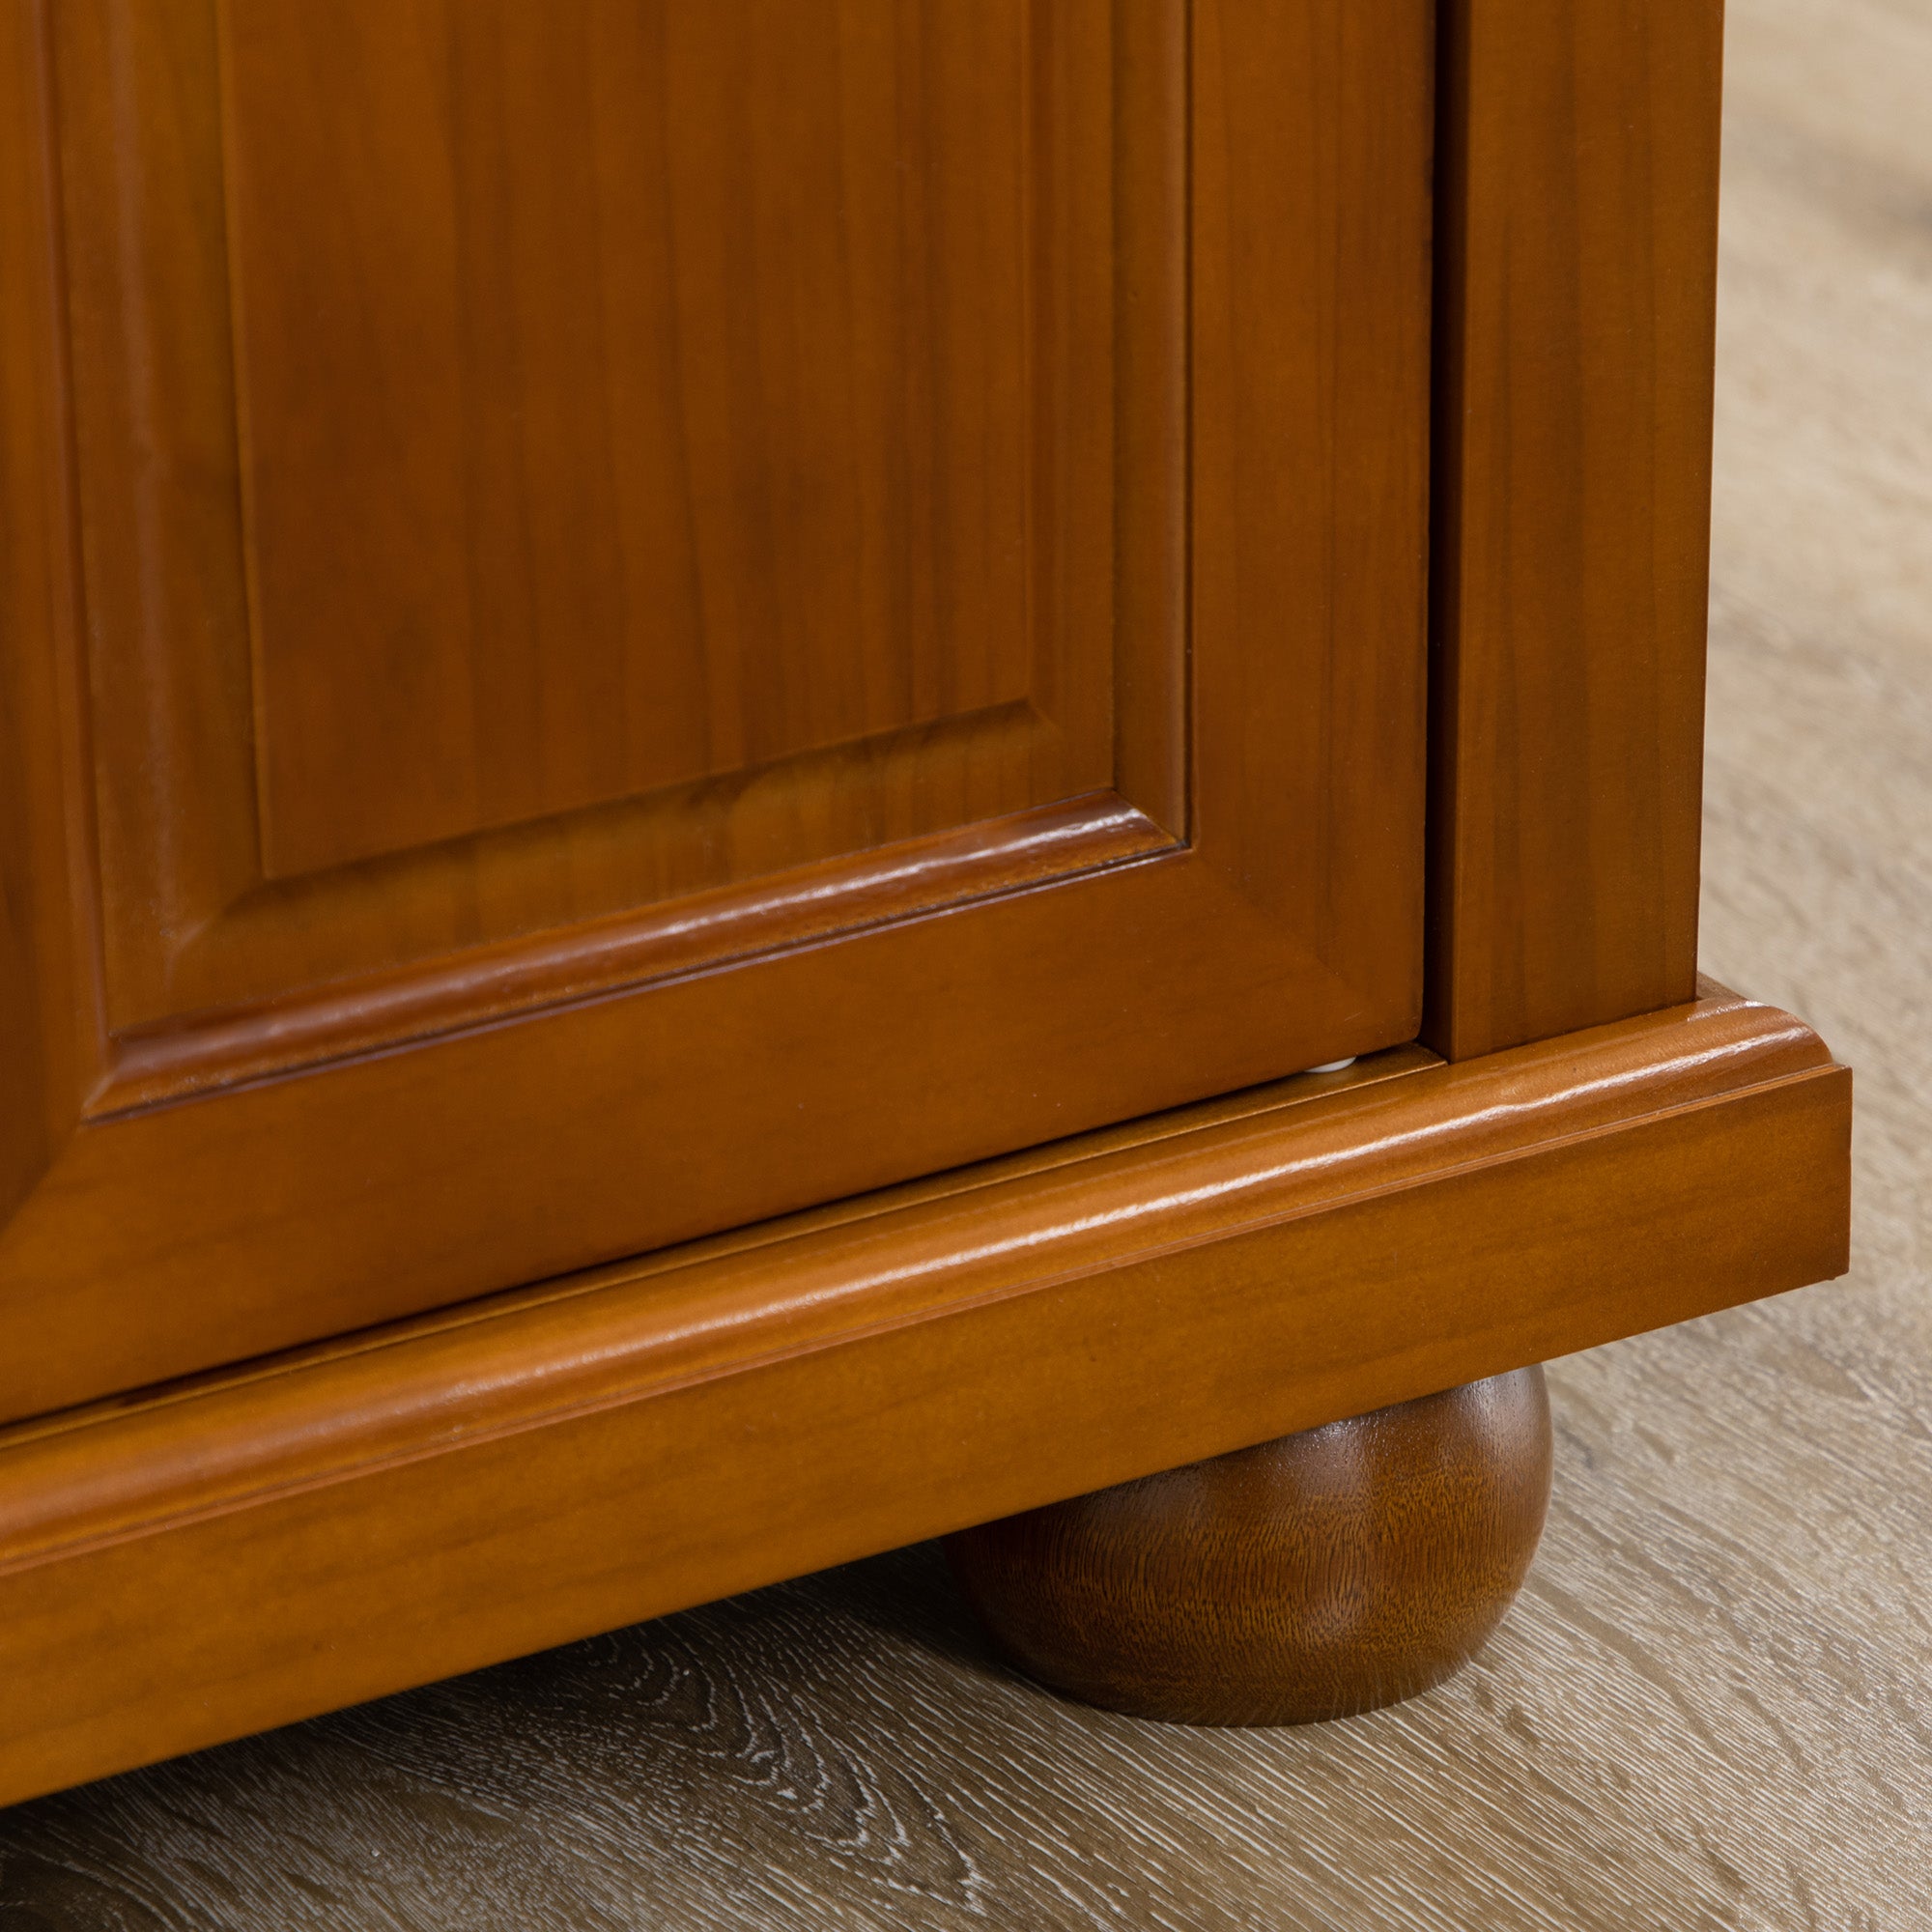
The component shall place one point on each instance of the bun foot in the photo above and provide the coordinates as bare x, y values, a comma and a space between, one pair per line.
1318, 1576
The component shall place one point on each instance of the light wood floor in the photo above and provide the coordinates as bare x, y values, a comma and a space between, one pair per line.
1713, 1706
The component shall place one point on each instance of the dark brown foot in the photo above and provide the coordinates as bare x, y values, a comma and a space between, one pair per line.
1314, 1577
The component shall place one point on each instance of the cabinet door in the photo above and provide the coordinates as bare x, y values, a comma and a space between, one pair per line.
627, 615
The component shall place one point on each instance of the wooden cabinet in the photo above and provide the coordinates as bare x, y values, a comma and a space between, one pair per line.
680, 685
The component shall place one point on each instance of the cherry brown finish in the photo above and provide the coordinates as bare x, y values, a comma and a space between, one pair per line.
215, 1557
1576, 303
1319, 1575
614, 633
525, 757
266, 1836
46, 1060
616, 398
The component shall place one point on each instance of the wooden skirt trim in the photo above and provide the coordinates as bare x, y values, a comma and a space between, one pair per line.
206, 1559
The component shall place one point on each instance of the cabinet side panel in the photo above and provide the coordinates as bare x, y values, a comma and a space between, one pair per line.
1576, 304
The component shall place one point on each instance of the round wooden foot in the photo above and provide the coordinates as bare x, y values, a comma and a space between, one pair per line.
1319, 1575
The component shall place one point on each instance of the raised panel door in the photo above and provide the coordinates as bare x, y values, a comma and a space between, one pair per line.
631, 617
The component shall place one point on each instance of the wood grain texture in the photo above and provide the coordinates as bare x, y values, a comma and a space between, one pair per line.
263, 1105
505, 507
699, 459
1576, 256
49, 1044
212, 1558
1710, 1707
1324, 1574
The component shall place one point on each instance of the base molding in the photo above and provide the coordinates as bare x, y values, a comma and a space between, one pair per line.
195, 1562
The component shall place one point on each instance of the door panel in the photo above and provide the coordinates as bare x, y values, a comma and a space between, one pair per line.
680, 612
595, 455
671, 476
